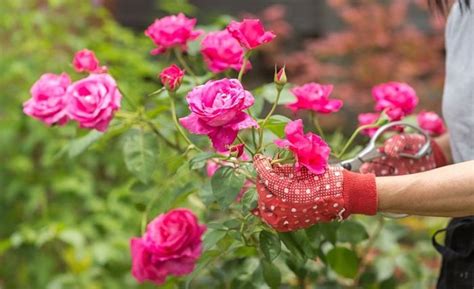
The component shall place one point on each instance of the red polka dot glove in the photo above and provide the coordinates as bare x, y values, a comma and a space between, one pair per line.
291, 199
393, 164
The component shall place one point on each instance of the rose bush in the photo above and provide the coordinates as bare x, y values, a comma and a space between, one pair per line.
225, 112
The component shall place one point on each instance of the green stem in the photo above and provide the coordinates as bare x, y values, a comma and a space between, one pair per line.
353, 136
244, 65
132, 103
179, 56
160, 135
144, 221
315, 120
176, 122
245, 144
272, 110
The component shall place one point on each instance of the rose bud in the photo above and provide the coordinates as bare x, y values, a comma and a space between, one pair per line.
280, 78
171, 77
236, 150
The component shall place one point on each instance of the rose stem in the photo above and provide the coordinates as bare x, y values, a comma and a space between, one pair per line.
272, 110
176, 123
315, 121
244, 64
179, 56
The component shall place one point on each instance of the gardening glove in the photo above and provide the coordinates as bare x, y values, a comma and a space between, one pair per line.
392, 164
291, 199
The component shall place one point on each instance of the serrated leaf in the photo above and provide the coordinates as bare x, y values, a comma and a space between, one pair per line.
352, 232
270, 245
249, 200
139, 150
226, 185
78, 146
343, 261
200, 160
212, 237
293, 247
276, 124
271, 274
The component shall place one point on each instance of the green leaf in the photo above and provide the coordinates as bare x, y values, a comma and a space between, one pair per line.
206, 258
276, 124
249, 200
200, 160
257, 107
270, 245
226, 185
343, 261
271, 274
78, 146
329, 231
269, 92
293, 246
212, 237
351, 232
139, 150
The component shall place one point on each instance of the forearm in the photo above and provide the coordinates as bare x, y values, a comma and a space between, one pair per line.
446, 191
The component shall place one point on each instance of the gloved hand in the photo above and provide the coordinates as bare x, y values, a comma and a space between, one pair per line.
393, 164
290, 199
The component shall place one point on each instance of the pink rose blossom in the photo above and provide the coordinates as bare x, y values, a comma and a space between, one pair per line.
172, 31
221, 51
315, 97
171, 246
431, 122
86, 61
171, 77
93, 101
250, 33
368, 118
396, 98
310, 150
217, 110
48, 99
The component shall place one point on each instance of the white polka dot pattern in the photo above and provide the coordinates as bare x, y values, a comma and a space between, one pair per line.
291, 199
392, 164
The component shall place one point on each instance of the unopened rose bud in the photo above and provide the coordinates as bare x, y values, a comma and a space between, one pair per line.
236, 150
280, 77
171, 77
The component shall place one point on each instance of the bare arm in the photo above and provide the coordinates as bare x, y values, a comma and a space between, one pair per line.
444, 192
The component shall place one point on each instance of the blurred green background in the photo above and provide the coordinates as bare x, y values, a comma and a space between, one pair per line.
66, 216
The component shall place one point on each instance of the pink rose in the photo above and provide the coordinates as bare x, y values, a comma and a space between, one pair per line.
368, 118
431, 122
172, 31
171, 246
171, 77
250, 33
309, 149
86, 61
217, 110
221, 51
48, 99
314, 96
398, 99
93, 101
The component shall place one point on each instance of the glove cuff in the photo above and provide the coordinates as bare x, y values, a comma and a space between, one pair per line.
439, 157
360, 193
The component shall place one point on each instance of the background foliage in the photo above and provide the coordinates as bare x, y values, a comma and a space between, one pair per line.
66, 216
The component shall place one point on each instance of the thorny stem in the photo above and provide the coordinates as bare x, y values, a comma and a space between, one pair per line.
244, 65
128, 99
315, 120
272, 110
176, 123
160, 135
181, 60
245, 145
370, 243
353, 136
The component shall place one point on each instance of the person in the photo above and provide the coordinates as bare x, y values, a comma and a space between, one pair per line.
440, 184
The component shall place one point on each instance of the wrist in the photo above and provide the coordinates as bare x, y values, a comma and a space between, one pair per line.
360, 193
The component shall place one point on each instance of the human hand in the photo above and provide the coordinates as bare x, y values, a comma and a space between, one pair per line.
392, 164
291, 199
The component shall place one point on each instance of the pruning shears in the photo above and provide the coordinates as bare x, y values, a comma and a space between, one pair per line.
371, 152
